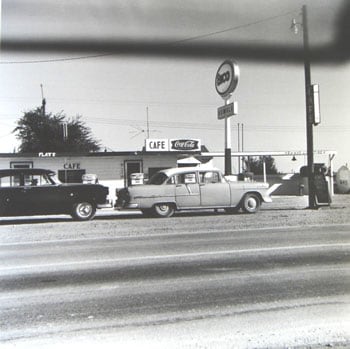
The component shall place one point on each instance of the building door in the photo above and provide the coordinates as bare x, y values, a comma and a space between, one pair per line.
131, 166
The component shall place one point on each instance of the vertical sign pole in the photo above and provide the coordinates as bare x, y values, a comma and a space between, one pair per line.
226, 80
228, 165
238, 148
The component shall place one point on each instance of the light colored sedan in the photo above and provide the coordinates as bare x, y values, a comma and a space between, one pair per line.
190, 188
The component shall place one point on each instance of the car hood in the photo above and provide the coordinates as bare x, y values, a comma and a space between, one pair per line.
83, 186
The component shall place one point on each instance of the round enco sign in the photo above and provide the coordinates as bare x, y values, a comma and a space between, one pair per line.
226, 78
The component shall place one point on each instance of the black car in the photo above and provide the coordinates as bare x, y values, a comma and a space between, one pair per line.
26, 192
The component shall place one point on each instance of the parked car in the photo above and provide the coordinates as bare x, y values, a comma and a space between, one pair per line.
38, 191
189, 188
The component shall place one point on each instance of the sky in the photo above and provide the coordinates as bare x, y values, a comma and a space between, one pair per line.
114, 93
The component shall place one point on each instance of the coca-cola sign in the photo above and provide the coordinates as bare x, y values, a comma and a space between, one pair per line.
185, 145
163, 145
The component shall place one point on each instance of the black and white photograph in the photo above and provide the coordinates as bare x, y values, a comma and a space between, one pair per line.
175, 174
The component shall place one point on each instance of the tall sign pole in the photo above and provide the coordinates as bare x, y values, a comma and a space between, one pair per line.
226, 81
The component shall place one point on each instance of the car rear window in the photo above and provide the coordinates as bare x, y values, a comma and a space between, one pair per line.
10, 181
158, 178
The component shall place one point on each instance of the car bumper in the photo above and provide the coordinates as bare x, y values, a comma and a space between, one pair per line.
107, 204
267, 198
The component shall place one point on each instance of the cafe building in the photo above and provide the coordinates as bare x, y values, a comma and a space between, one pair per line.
113, 169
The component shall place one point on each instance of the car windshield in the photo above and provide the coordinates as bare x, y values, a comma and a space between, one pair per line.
158, 178
54, 179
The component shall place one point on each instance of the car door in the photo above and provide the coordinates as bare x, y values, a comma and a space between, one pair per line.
11, 200
187, 190
41, 196
12, 196
214, 190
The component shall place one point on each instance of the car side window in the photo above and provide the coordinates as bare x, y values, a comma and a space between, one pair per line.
5, 182
187, 178
209, 177
10, 181
171, 180
36, 180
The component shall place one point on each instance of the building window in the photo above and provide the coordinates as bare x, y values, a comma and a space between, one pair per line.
71, 176
21, 164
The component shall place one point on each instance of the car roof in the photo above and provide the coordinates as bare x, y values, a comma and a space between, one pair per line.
178, 170
26, 171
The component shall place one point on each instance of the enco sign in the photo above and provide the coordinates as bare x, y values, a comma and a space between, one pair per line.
226, 78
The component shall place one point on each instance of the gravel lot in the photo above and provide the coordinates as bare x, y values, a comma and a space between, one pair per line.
283, 211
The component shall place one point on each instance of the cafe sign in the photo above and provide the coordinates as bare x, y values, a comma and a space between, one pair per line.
181, 144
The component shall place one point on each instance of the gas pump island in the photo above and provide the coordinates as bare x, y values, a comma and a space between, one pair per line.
226, 80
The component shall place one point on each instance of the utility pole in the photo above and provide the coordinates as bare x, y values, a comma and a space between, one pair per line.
65, 131
309, 111
147, 124
312, 112
43, 101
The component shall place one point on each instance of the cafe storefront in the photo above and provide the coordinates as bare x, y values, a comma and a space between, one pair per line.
113, 169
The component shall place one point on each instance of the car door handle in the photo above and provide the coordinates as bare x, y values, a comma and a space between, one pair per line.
26, 189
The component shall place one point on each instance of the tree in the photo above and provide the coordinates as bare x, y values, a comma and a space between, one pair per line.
44, 133
255, 165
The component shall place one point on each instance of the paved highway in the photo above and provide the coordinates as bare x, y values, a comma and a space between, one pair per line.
189, 281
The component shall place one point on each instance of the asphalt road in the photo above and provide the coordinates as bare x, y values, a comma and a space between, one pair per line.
192, 281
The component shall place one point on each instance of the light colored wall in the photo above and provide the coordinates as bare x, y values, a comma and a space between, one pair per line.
109, 169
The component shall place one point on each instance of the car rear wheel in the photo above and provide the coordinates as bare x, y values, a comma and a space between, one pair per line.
83, 211
163, 210
251, 203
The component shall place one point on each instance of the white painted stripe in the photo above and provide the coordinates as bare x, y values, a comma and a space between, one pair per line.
95, 262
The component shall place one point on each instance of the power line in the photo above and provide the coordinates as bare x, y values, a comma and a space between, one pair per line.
111, 121
57, 59
208, 126
234, 28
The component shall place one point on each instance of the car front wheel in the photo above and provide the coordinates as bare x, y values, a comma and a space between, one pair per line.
83, 211
251, 203
163, 210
